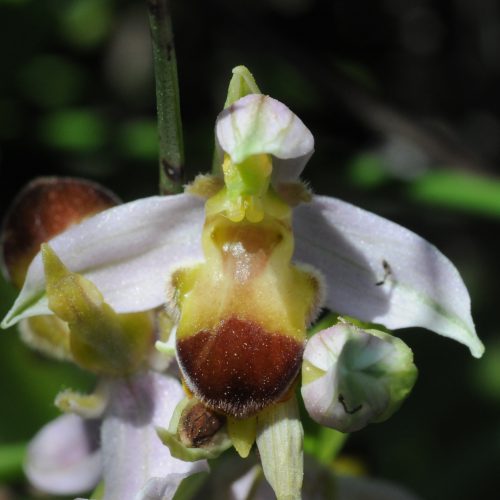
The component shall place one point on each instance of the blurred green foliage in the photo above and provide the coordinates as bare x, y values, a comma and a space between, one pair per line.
472, 194
73, 130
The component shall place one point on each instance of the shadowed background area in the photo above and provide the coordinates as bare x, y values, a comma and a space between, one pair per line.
402, 98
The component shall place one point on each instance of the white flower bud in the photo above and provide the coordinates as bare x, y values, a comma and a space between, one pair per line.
351, 377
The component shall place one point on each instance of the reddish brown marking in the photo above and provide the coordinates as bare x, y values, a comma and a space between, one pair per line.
253, 238
239, 368
198, 425
43, 209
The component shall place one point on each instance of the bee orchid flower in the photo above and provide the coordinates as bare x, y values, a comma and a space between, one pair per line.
243, 264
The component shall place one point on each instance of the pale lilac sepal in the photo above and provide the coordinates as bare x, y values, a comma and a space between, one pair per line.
244, 486
257, 124
137, 466
63, 458
380, 272
128, 252
161, 488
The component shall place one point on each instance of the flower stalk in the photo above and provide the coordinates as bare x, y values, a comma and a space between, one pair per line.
171, 160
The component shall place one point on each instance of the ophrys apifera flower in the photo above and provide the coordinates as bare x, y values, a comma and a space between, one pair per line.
245, 271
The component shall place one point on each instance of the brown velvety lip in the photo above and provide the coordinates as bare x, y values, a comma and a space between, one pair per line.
43, 209
239, 368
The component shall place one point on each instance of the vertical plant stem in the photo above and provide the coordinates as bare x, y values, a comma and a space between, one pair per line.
171, 161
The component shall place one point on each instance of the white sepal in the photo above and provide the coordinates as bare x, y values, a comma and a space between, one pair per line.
64, 458
257, 124
378, 271
128, 252
135, 461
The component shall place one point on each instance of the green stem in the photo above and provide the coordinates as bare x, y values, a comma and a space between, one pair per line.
167, 97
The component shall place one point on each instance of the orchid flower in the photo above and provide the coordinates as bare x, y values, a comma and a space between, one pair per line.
243, 264
110, 435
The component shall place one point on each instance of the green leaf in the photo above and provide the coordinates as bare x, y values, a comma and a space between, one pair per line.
458, 190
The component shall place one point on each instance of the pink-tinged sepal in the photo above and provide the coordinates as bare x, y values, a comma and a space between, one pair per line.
64, 457
380, 272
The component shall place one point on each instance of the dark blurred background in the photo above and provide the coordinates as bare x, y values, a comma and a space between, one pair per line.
403, 99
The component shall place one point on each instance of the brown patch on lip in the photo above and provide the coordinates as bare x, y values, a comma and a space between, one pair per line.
238, 369
43, 209
253, 238
246, 248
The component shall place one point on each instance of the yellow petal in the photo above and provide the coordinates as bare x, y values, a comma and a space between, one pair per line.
48, 335
85, 405
242, 434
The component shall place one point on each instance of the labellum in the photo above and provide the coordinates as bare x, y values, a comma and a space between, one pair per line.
245, 310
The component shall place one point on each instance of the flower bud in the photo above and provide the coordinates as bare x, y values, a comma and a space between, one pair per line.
351, 377
44, 208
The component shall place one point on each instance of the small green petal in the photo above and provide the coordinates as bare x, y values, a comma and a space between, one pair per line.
164, 352
84, 405
101, 341
242, 433
48, 335
166, 348
242, 83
